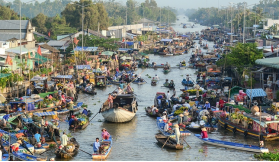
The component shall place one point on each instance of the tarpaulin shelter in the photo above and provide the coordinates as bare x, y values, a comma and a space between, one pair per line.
81, 67
251, 93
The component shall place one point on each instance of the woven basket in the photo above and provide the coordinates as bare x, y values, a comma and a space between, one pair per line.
236, 121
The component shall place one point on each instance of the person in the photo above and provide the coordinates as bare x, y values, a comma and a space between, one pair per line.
15, 146
204, 133
204, 96
187, 78
168, 96
96, 146
207, 105
180, 64
71, 108
110, 100
197, 93
120, 91
179, 119
64, 139
159, 98
63, 98
37, 137
221, 103
154, 109
28, 91
164, 117
121, 85
129, 89
185, 88
105, 134
186, 104
33, 140
177, 133
167, 126
174, 92
166, 83
156, 77
85, 112
185, 118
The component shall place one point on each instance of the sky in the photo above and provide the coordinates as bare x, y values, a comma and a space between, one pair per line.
197, 3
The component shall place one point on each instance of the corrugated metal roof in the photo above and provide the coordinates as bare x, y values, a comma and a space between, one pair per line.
55, 43
272, 62
13, 24
7, 36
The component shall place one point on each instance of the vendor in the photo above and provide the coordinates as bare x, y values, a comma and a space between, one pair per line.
207, 105
15, 146
71, 108
85, 112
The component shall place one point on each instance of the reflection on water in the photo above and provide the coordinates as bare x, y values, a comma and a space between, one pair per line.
135, 140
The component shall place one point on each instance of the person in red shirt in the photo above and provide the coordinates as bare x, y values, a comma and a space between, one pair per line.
204, 133
221, 103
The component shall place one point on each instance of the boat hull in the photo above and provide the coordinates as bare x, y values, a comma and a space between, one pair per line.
168, 142
118, 115
103, 156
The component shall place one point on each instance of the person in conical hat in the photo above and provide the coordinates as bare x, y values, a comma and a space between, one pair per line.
204, 133
177, 133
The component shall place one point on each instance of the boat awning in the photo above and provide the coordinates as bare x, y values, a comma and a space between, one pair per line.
26, 99
107, 53
269, 62
166, 40
80, 67
255, 93
44, 113
63, 77
263, 122
87, 49
38, 78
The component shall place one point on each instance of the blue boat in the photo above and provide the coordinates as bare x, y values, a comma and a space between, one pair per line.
161, 125
187, 83
107, 149
233, 145
139, 82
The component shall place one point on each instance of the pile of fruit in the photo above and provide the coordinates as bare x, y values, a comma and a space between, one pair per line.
180, 111
83, 119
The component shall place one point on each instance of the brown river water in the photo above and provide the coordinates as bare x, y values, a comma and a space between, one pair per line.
135, 140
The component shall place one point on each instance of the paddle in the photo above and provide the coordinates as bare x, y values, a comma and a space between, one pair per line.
85, 152
166, 142
186, 142
95, 115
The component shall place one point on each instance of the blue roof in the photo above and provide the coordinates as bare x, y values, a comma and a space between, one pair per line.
251, 93
44, 113
88, 49
129, 43
80, 67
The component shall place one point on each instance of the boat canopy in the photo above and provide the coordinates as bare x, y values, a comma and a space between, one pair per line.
124, 49
44, 113
80, 67
63, 77
263, 122
38, 78
251, 93
269, 62
107, 53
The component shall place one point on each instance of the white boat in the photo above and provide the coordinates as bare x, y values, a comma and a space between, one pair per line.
124, 109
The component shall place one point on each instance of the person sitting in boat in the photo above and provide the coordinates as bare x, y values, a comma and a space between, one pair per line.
206, 105
121, 85
105, 134
166, 83
167, 127
119, 91
180, 64
37, 137
85, 112
114, 78
179, 119
64, 139
71, 121
177, 133
165, 117
187, 78
15, 146
186, 104
221, 103
204, 133
185, 118
96, 146
171, 83
88, 87
154, 110
33, 140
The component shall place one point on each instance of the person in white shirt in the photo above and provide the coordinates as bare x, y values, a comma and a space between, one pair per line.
168, 97
156, 77
120, 91
153, 109
174, 107
166, 127
186, 104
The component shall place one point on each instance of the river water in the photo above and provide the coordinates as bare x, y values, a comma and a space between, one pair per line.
135, 140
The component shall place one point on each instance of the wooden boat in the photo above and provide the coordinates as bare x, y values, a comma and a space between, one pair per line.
139, 82
166, 71
89, 92
124, 109
233, 145
171, 143
63, 154
169, 85
161, 125
148, 111
115, 82
84, 119
107, 145
228, 125
183, 66
26, 157
187, 83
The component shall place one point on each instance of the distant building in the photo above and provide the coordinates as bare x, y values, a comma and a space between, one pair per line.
270, 22
10, 33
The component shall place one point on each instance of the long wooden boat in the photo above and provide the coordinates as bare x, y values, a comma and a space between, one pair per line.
89, 92
233, 145
81, 127
182, 67
26, 157
166, 71
228, 125
187, 83
67, 155
66, 111
171, 143
124, 109
107, 145
148, 111
161, 125
139, 82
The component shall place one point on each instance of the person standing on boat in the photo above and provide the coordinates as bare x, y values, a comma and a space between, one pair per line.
179, 119
168, 97
71, 108
121, 85
204, 133
177, 133
129, 89
96, 146
156, 77
110, 100
105, 134
159, 98
119, 91
165, 117
64, 139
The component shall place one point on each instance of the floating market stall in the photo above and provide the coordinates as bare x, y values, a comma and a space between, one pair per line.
27, 104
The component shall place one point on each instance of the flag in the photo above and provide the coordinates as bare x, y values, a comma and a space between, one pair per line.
29, 55
39, 51
75, 41
48, 33
9, 60
272, 48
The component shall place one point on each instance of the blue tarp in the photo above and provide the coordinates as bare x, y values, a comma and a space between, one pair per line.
63, 77
166, 40
44, 113
124, 49
129, 43
251, 93
80, 67
88, 49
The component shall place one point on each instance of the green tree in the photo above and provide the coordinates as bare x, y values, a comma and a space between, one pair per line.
241, 56
7, 14
40, 22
